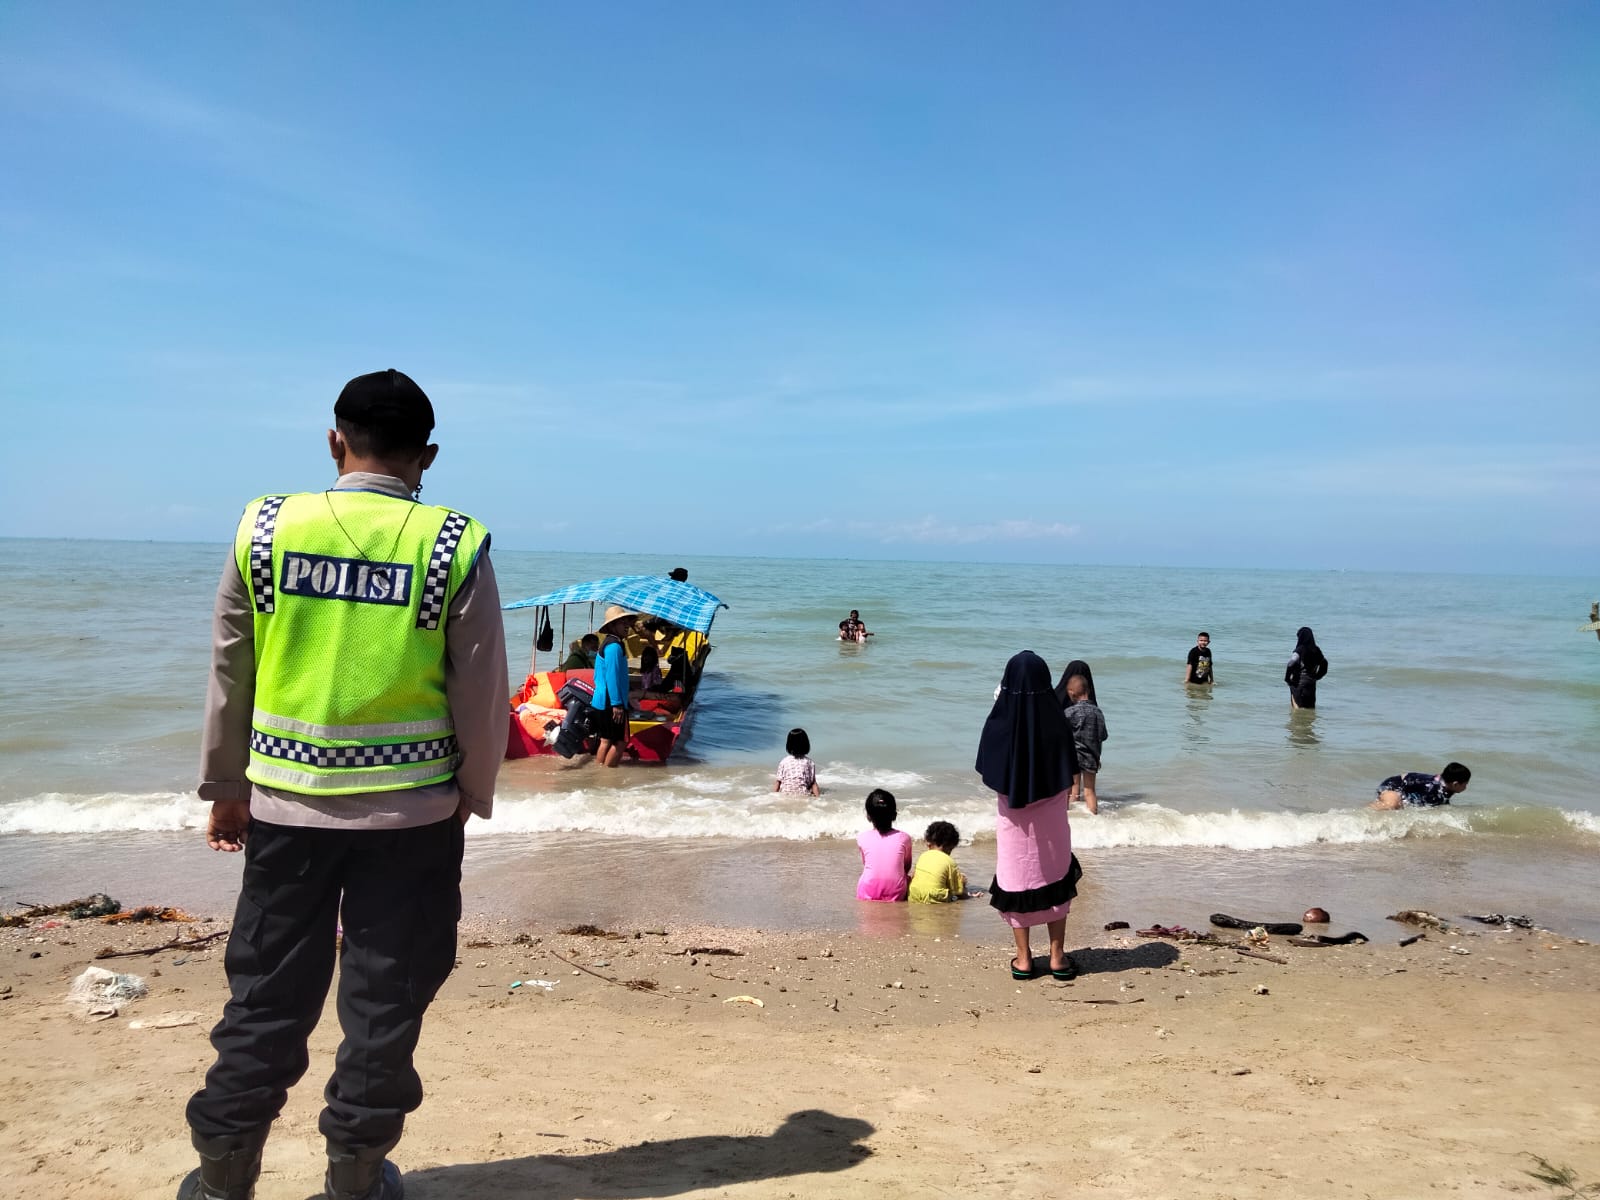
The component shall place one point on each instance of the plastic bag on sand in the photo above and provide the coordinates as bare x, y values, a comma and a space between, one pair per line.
98, 989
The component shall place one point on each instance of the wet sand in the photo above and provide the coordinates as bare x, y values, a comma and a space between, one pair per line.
794, 886
885, 1060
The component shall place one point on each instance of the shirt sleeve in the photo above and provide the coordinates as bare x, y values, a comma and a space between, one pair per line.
230, 691
476, 686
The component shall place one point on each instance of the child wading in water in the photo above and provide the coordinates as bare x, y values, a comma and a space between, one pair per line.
936, 877
797, 774
885, 852
1088, 725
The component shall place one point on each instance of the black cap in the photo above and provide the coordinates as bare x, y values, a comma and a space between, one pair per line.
390, 403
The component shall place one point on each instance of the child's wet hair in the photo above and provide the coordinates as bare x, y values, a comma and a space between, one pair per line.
881, 810
798, 745
942, 835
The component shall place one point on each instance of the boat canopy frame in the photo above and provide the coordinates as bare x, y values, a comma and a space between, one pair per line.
681, 604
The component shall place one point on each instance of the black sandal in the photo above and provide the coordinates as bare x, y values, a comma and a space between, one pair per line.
1018, 974
1066, 973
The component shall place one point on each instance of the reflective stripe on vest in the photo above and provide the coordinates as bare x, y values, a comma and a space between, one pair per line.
353, 733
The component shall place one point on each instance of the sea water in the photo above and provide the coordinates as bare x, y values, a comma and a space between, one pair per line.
104, 649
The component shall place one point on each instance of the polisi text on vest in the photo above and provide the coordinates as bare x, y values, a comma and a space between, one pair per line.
325, 578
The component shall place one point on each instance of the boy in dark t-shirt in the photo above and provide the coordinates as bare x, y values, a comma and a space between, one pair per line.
1417, 789
1198, 669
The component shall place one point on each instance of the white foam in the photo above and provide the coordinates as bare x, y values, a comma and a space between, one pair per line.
108, 812
1156, 825
847, 775
1587, 822
745, 809
741, 805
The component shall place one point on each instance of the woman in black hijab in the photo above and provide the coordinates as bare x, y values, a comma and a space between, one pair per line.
1306, 665
1025, 755
1076, 667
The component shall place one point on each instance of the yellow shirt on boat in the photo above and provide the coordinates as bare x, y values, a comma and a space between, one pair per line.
936, 878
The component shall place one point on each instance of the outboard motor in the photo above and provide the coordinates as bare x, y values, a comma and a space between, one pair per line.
577, 727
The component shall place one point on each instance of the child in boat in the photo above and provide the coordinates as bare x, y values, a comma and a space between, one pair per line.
649, 670
1088, 725
797, 774
936, 878
885, 852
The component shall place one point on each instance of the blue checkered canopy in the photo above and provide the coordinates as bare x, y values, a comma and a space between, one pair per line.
685, 605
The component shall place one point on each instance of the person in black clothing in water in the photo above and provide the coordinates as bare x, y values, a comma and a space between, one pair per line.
1417, 789
1198, 669
1306, 665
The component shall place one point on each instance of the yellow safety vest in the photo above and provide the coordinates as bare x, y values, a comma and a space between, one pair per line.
350, 591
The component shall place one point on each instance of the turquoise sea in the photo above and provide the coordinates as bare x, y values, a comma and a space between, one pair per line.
1205, 795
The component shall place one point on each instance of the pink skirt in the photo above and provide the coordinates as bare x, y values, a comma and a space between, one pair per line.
1033, 850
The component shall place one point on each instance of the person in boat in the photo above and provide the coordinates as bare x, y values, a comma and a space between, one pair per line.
650, 677
677, 677
610, 703
342, 617
584, 651
1418, 789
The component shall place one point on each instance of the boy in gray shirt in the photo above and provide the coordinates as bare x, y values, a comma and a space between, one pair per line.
1088, 726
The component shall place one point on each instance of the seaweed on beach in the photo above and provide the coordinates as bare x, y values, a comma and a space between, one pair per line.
1563, 1178
592, 931
95, 904
148, 914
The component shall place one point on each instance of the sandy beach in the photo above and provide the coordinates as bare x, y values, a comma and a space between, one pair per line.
881, 1067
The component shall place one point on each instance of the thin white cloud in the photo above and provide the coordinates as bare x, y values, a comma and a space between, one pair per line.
300, 171
930, 530
1457, 473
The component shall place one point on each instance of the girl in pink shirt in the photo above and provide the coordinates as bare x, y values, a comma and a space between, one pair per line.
885, 852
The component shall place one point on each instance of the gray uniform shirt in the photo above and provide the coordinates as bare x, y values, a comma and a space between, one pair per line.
474, 684
1088, 726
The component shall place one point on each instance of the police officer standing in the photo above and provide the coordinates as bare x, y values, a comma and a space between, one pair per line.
355, 719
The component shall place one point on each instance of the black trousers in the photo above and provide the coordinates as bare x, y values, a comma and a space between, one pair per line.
397, 893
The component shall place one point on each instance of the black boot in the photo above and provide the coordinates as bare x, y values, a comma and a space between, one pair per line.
362, 1174
228, 1170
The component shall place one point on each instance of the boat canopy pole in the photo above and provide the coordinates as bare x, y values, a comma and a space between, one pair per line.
533, 663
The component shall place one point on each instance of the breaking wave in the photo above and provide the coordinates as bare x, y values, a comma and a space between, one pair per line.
740, 805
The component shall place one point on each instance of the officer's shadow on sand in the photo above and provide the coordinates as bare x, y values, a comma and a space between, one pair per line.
807, 1143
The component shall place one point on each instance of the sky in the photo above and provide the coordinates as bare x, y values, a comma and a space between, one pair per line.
1236, 284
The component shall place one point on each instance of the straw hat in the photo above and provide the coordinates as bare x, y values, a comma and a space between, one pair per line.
615, 613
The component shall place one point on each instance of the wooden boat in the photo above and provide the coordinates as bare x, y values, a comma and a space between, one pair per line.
646, 611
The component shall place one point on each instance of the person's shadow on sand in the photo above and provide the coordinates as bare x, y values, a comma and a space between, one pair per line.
807, 1143
1105, 961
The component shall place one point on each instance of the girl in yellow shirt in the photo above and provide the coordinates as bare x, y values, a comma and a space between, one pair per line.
936, 878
